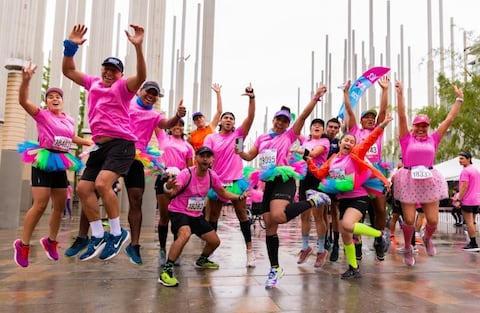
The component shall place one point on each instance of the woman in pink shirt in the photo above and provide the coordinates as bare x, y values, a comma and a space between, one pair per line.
418, 181
177, 155
56, 133
229, 167
273, 150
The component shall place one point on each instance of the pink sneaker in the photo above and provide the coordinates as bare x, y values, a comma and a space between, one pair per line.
20, 254
50, 248
321, 256
303, 255
431, 251
408, 258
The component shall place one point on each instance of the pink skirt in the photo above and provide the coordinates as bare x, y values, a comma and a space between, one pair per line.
409, 190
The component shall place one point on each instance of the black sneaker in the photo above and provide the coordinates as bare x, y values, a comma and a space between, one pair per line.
471, 247
358, 250
352, 273
379, 245
334, 254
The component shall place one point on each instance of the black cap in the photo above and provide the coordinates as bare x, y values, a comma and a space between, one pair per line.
152, 86
203, 150
466, 155
317, 120
115, 62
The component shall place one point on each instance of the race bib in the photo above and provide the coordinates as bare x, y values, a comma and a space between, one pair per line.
337, 173
196, 204
62, 143
373, 150
267, 159
420, 172
227, 184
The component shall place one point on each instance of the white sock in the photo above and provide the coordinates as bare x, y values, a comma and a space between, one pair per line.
97, 229
115, 228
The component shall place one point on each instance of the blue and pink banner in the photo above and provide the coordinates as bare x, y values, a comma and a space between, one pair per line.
357, 89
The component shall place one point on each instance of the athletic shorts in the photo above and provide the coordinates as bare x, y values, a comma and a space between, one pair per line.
470, 208
309, 182
57, 179
116, 155
135, 177
198, 225
278, 189
161, 179
359, 203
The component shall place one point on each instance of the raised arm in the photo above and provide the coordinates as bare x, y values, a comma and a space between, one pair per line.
384, 82
443, 127
75, 39
135, 82
169, 123
298, 125
362, 148
23, 95
351, 118
216, 117
247, 123
402, 115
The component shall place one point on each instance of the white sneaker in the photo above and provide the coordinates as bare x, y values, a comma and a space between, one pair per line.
250, 258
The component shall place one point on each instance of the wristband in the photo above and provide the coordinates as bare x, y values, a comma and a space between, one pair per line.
166, 189
459, 99
70, 48
316, 99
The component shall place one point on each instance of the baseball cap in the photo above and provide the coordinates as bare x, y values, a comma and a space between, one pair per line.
152, 86
283, 113
196, 114
317, 120
54, 89
203, 150
371, 111
115, 62
421, 118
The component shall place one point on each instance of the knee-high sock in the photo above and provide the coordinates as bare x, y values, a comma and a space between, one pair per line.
408, 231
246, 231
363, 229
295, 209
272, 249
162, 236
429, 230
350, 254
336, 236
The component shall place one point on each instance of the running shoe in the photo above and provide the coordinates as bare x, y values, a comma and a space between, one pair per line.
133, 252
351, 273
393, 240
334, 254
429, 247
318, 198
321, 258
166, 277
273, 277
95, 247
250, 258
20, 253
50, 248
402, 250
471, 247
78, 245
303, 255
408, 257
204, 262
379, 245
114, 245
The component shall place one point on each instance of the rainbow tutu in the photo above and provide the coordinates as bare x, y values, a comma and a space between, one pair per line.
48, 160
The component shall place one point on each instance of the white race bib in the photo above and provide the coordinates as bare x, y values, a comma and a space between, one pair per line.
420, 172
227, 184
337, 173
196, 204
373, 150
268, 159
62, 143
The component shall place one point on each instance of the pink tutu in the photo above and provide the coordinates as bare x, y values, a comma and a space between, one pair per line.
409, 190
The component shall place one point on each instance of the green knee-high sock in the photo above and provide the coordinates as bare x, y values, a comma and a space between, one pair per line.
363, 229
350, 254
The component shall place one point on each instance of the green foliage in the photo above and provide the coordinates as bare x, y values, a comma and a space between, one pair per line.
45, 81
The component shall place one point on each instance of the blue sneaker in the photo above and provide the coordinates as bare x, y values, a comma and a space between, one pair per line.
133, 252
114, 245
95, 247
78, 245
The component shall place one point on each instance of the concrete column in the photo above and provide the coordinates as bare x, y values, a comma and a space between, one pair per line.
11, 167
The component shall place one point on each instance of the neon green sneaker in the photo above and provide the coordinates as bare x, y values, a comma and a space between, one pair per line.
167, 279
204, 262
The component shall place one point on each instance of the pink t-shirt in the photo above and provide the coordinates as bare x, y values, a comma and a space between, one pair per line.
54, 132
310, 144
343, 166
419, 152
192, 200
274, 149
176, 151
143, 123
108, 108
471, 175
374, 154
226, 163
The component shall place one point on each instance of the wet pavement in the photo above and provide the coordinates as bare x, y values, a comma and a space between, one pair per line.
448, 282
